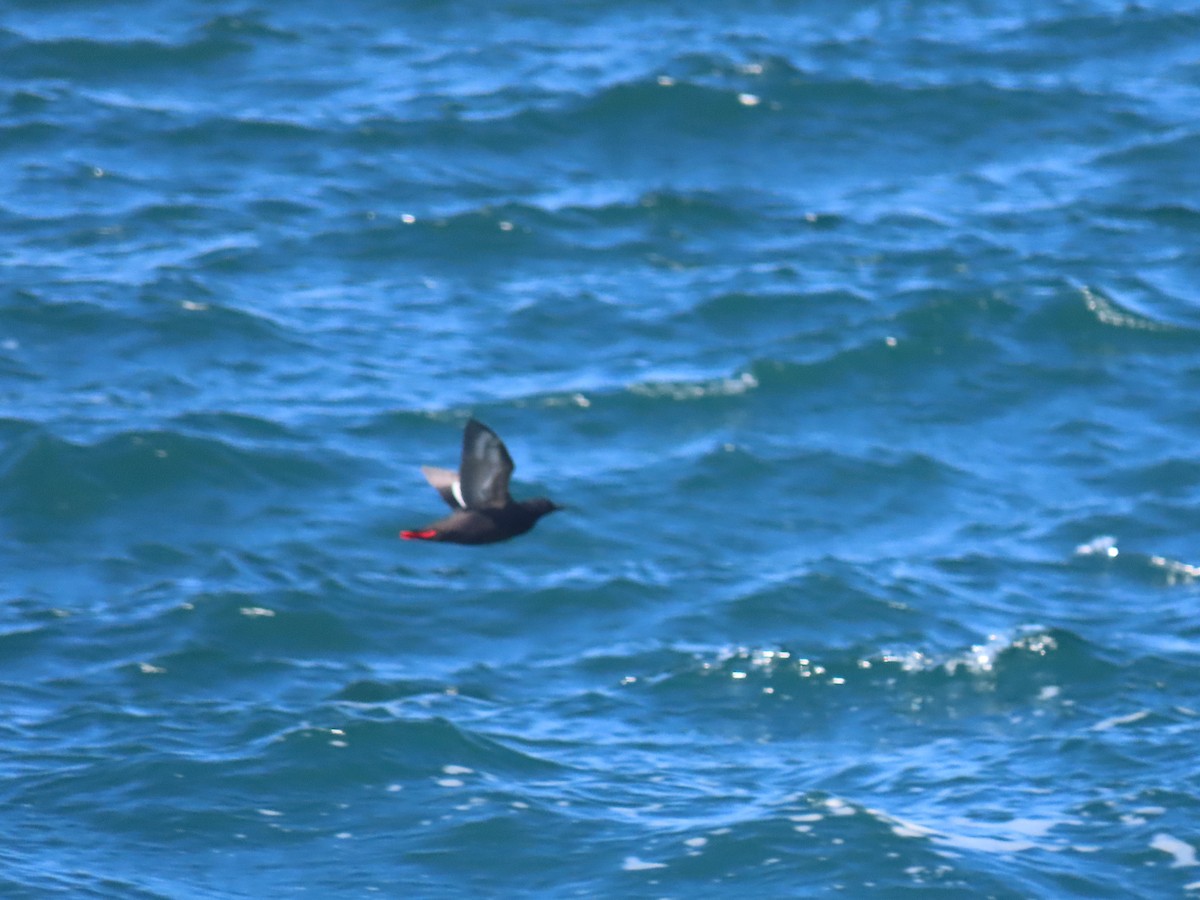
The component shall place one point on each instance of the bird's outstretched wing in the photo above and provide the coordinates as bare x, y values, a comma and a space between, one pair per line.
485, 470
445, 483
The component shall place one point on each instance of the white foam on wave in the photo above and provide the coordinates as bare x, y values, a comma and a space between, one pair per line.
634, 864
1103, 545
1182, 853
1177, 572
979, 659
1108, 312
1117, 721
694, 390
1013, 836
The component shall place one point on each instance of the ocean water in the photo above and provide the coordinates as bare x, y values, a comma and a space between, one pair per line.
862, 340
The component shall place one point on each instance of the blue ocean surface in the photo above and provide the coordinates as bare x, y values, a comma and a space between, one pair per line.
861, 339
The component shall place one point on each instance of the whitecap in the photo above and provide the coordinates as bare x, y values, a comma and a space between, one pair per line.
633, 864
1116, 721
1177, 572
1103, 545
1109, 312
694, 390
1183, 854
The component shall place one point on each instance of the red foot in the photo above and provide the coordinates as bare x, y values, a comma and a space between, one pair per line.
427, 535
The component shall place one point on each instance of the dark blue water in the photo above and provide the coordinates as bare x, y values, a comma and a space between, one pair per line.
862, 340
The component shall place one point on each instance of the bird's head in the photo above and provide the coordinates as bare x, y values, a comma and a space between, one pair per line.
541, 506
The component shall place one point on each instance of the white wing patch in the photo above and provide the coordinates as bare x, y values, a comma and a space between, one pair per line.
456, 490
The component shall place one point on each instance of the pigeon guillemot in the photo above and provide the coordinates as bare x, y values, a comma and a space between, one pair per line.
484, 513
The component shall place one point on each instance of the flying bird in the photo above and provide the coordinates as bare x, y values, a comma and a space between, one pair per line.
483, 511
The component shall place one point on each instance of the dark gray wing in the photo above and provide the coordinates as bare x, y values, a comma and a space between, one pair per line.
446, 483
486, 468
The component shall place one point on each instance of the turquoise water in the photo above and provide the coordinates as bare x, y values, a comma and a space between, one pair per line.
861, 339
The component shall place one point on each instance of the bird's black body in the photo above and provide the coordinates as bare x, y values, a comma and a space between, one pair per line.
483, 511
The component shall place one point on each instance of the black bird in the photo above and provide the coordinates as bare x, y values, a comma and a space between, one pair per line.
484, 513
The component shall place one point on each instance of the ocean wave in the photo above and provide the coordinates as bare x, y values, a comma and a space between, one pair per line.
45, 475
778, 312
235, 136
883, 360
374, 749
173, 311
372, 692
33, 133
89, 58
1030, 668
714, 91
1107, 311
1167, 155
1103, 553
37, 52
557, 227
1029, 673
695, 390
